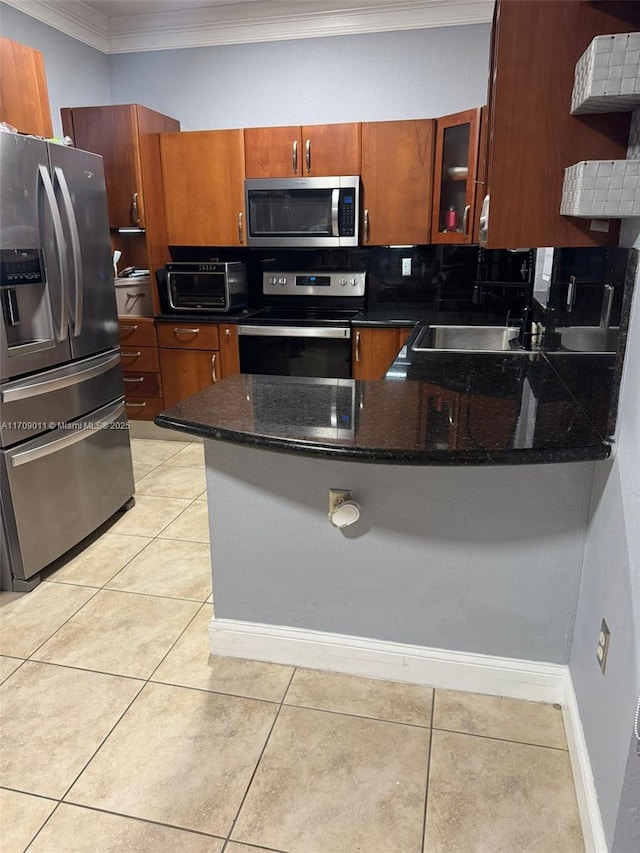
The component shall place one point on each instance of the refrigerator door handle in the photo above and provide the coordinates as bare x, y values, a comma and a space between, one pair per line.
59, 235
75, 248
54, 446
39, 388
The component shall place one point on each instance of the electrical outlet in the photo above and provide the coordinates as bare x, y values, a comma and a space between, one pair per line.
406, 266
337, 497
603, 645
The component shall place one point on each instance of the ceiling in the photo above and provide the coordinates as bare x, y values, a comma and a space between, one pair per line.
129, 26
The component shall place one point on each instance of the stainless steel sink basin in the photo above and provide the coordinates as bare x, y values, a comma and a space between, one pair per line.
468, 339
588, 339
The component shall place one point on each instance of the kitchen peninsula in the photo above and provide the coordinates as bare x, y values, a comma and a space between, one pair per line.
461, 544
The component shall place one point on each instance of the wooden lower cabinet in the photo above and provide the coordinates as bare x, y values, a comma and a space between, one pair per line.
141, 368
374, 349
194, 356
229, 349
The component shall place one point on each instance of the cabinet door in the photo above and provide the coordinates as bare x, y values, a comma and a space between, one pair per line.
532, 135
331, 149
272, 152
455, 175
113, 132
203, 174
229, 349
24, 96
185, 372
397, 181
375, 349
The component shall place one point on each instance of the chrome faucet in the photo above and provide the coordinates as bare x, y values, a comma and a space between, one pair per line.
607, 304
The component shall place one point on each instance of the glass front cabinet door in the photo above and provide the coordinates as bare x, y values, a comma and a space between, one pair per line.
455, 177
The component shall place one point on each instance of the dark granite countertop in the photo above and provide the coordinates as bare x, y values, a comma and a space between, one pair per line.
433, 408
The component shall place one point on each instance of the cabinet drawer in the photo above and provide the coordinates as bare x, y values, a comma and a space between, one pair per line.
139, 358
139, 332
142, 385
143, 409
188, 335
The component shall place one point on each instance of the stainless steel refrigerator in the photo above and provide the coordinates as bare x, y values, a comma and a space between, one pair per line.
65, 456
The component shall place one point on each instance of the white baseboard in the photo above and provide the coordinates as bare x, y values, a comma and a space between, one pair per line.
590, 817
439, 668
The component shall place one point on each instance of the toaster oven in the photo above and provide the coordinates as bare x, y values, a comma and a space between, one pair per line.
210, 287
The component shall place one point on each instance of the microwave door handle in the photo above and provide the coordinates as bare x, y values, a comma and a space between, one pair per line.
59, 238
335, 206
75, 248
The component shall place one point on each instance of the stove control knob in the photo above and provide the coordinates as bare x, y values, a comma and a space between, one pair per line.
354, 282
273, 280
282, 280
343, 281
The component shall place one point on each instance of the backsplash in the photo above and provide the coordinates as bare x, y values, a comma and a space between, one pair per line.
442, 278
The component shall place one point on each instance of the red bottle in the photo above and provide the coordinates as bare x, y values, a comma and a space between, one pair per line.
451, 220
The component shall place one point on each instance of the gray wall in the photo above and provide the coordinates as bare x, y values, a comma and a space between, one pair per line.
611, 589
380, 76
482, 560
77, 75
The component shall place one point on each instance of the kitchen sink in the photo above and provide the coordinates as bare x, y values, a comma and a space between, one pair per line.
468, 339
587, 339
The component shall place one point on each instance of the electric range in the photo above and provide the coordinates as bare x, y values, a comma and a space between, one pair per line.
304, 325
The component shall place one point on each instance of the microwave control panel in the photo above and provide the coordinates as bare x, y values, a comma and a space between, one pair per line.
314, 283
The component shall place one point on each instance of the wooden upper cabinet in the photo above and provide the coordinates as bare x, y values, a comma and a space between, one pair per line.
455, 175
397, 181
124, 136
203, 175
24, 96
532, 136
307, 151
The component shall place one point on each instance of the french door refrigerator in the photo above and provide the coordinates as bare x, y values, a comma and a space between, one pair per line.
65, 456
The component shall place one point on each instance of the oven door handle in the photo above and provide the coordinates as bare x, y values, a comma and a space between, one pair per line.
343, 332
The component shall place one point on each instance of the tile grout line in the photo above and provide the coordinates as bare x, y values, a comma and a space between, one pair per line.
255, 769
125, 817
502, 739
426, 789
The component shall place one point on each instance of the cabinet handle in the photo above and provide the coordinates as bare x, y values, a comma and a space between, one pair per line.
178, 331
357, 347
294, 156
465, 220
214, 376
130, 354
137, 380
129, 329
134, 405
366, 225
134, 210
240, 237
227, 333
307, 154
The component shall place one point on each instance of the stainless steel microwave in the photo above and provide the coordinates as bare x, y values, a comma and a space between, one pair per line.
305, 212
210, 287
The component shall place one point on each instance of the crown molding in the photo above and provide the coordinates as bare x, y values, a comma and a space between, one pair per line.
249, 22
73, 18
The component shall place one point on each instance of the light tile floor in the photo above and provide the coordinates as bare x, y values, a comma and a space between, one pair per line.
121, 733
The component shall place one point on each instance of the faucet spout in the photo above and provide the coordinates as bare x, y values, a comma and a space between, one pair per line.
607, 305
